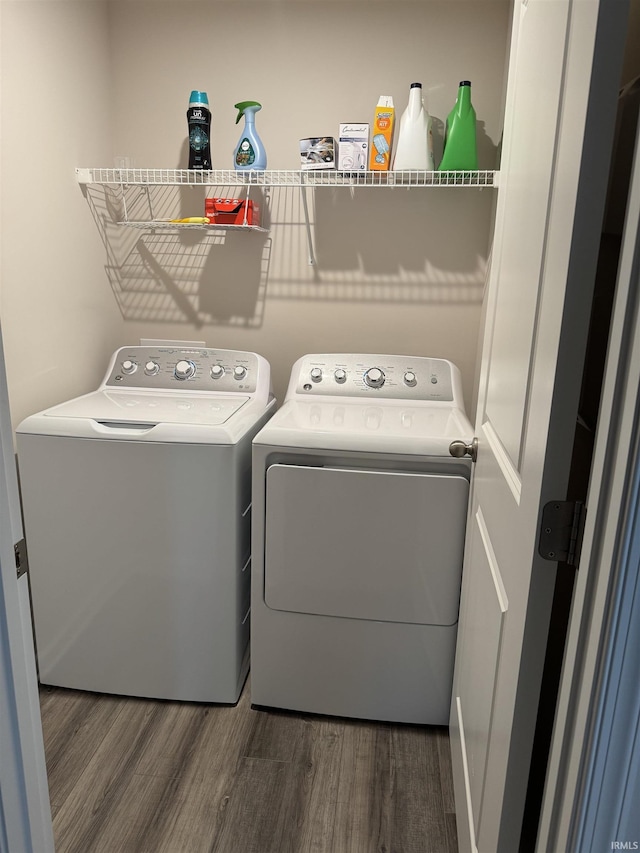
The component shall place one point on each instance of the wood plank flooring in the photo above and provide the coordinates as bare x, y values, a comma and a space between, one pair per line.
140, 776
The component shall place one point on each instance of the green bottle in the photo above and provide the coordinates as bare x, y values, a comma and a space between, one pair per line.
460, 148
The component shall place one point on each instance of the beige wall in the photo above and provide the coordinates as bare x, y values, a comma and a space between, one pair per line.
59, 319
398, 271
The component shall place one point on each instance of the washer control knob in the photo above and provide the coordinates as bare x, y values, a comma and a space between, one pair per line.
217, 371
151, 368
184, 369
239, 371
410, 379
340, 375
129, 367
374, 377
316, 374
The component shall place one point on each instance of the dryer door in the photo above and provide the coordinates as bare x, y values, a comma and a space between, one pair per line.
365, 544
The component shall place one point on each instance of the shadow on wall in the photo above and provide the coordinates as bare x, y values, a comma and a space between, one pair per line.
440, 233
165, 274
373, 244
383, 232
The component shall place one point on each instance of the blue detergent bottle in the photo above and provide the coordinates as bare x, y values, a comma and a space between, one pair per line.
249, 154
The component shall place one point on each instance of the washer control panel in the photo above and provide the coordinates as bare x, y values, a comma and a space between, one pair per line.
198, 369
375, 376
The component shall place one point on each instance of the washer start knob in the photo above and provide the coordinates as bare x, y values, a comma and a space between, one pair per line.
184, 369
374, 377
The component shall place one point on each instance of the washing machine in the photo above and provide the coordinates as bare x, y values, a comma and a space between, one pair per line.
359, 515
137, 514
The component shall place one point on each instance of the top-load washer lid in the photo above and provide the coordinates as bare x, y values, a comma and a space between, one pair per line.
143, 407
144, 416
374, 403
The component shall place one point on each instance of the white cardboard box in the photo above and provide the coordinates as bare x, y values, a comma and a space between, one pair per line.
353, 147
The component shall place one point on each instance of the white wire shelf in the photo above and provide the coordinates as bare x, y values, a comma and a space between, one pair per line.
276, 178
163, 225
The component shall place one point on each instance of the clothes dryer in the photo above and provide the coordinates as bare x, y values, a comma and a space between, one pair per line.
136, 503
359, 515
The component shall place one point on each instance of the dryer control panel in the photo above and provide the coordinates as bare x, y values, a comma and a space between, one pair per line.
193, 369
397, 377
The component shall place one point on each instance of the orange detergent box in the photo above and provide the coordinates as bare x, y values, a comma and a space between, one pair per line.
382, 135
232, 211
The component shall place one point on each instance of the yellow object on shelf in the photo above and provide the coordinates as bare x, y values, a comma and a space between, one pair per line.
194, 220
382, 135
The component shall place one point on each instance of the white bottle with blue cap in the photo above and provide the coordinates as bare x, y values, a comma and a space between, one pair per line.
199, 123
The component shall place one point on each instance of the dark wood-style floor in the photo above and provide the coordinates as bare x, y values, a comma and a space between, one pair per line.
144, 776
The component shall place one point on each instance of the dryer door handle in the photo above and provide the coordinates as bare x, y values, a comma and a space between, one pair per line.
459, 449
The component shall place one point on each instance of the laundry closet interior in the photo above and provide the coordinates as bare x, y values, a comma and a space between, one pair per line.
92, 89
105, 83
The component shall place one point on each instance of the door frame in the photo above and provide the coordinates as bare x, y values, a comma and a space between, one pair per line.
25, 813
587, 800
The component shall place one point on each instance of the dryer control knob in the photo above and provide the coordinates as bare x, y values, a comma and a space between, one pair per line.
129, 367
340, 375
151, 368
410, 379
184, 369
374, 377
239, 371
217, 371
316, 374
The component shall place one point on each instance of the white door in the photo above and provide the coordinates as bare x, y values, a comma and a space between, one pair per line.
25, 815
561, 99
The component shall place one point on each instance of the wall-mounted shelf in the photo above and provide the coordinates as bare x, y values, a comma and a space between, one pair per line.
284, 178
126, 179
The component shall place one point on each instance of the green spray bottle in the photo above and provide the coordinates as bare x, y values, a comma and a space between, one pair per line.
249, 154
460, 147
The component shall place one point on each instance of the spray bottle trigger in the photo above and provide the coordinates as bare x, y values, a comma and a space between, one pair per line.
242, 106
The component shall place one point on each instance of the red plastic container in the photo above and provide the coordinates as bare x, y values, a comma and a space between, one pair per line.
232, 211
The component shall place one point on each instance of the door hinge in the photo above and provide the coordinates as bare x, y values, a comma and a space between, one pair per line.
561, 531
22, 563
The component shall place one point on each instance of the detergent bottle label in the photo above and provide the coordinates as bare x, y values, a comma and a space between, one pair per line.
245, 155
